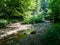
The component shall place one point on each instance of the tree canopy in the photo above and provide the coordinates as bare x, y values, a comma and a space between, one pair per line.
16, 7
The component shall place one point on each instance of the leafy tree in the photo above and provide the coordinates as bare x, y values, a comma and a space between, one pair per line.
54, 5
16, 7
37, 7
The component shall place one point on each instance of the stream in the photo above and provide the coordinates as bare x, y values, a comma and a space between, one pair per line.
22, 34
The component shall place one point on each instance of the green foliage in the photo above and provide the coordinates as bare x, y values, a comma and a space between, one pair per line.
16, 7
37, 7
11, 9
54, 5
34, 16
33, 19
52, 36
3, 23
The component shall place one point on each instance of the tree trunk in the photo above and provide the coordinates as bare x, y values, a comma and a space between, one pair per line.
56, 18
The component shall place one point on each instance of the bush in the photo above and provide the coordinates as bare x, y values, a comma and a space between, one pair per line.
3, 23
52, 36
33, 19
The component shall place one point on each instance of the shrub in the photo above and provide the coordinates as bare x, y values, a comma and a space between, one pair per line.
52, 36
33, 19
3, 23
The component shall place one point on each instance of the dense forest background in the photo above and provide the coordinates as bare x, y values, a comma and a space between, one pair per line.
43, 15
30, 11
